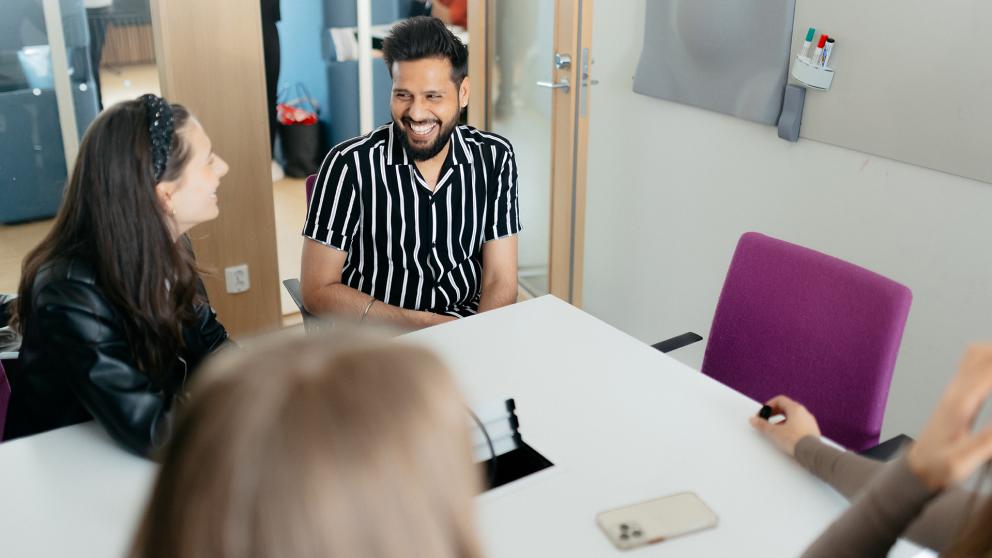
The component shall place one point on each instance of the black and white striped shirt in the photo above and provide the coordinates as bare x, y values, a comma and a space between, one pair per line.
408, 246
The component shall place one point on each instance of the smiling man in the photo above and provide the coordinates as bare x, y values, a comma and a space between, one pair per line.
415, 223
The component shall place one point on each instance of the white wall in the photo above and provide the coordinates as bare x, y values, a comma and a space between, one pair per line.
672, 187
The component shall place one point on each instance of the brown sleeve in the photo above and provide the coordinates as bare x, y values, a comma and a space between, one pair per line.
877, 516
848, 473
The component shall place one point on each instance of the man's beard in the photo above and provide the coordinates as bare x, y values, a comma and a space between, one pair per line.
425, 153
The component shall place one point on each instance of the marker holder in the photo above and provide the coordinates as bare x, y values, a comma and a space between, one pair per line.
812, 76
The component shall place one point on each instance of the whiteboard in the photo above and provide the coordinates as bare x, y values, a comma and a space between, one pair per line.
913, 81
730, 56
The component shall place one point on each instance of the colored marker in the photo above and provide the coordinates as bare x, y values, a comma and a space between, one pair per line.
819, 49
804, 53
827, 49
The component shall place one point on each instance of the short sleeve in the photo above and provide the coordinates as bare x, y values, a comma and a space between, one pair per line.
502, 215
334, 210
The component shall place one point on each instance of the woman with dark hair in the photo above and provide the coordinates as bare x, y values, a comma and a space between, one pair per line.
113, 315
918, 495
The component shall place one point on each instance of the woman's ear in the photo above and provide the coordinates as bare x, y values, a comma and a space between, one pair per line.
164, 191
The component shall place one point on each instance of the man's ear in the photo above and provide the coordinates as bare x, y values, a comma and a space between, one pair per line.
463, 91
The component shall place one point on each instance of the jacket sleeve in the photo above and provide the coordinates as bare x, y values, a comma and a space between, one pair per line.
99, 366
206, 335
848, 473
882, 511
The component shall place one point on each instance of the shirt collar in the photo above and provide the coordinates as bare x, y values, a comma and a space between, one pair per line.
396, 153
458, 152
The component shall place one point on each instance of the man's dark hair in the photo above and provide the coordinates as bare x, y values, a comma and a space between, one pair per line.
425, 37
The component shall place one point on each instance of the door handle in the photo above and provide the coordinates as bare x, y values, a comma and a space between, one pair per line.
561, 84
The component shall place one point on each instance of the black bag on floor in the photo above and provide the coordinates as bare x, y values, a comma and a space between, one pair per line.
300, 147
299, 133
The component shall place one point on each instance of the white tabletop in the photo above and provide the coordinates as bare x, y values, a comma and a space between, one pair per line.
622, 423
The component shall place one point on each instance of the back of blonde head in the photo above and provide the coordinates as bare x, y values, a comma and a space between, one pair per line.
313, 448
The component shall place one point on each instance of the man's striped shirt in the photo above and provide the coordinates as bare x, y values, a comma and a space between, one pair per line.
408, 246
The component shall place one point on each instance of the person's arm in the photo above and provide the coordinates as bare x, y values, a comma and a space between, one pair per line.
499, 273
877, 517
848, 473
206, 335
323, 292
99, 365
332, 222
891, 503
499, 248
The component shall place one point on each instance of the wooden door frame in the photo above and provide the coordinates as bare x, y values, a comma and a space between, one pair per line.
569, 135
209, 57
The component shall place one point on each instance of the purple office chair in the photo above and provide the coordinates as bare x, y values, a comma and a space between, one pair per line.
311, 181
10, 343
825, 332
4, 398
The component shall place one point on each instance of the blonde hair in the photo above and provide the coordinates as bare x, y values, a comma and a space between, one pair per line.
317, 448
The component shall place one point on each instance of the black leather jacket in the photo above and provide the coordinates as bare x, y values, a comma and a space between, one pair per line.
75, 364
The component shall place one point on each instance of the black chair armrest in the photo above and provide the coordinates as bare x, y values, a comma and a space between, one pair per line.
669, 345
311, 323
888, 449
7, 301
293, 288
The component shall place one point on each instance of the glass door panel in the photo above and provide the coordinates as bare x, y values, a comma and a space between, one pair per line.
524, 31
50, 83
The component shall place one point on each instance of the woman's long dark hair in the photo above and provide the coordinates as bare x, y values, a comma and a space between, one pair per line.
112, 218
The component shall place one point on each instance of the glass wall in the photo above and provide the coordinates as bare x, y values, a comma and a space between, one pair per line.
60, 62
524, 30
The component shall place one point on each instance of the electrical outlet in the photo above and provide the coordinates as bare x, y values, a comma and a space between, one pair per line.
237, 278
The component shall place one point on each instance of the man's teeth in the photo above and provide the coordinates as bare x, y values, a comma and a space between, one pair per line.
422, 129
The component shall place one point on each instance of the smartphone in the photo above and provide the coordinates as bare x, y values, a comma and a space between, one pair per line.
656, 520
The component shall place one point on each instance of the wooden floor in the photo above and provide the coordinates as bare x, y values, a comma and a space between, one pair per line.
15, 242
290, 201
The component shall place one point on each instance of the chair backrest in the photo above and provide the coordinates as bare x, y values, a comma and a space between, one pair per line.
311, 180
4, 398
823, 331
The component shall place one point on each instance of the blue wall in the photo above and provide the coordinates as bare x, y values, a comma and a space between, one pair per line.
302, 34
299, 38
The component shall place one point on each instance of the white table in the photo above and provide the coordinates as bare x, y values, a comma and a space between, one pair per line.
622, 423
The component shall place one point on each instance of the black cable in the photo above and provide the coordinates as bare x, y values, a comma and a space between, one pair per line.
489, 442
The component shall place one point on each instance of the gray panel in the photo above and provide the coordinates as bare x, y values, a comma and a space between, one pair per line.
925, 103
792, 112
32, 163
342, 105
731, 56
